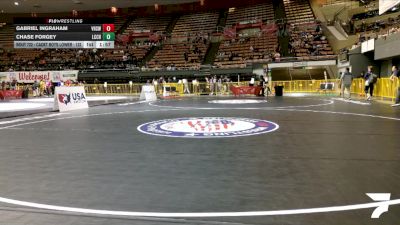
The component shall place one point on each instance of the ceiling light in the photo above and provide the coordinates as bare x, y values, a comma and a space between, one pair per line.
16, 3
114, 9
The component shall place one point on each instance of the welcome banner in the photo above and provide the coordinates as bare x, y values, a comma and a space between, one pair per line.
31, 76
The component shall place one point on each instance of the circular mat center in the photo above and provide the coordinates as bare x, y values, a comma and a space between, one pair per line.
208, 127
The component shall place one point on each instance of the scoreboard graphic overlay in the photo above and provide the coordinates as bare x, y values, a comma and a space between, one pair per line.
64, 33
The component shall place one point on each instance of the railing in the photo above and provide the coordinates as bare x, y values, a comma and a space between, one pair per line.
113, 89
384, 88
305, 86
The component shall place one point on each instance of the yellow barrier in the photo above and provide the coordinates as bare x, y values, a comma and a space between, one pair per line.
113, 89
305, 86
384, 88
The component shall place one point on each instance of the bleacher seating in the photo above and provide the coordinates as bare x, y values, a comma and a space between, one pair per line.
307, 40
6, 36
20, 58
190, 37
192, 24
131, 52
238, 52
263, 12
152, 23
118, 22
298, 11
173, 55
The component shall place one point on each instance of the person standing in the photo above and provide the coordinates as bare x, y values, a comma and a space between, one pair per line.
252, 81
267, 89
395, 76
195, 85
49, 87
262, 86
13, 84
340, 76
155, 83
218, 85
370, 80
214, 85
42, 87
185, 86
68, 83
211, 83
345, 80
35, 88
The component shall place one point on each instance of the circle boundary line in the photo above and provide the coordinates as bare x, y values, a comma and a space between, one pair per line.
205, 214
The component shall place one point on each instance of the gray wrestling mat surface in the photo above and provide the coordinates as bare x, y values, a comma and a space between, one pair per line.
201, 156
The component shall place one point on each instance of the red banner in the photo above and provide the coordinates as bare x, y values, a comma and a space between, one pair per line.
155, 37
10, 94
230, 33
123, 38
246, 90
269, 28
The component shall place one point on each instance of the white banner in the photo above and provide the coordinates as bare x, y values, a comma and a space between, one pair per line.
70, 98
148, 93
3, 77
141, 31
367, 46
31, 76
385, 5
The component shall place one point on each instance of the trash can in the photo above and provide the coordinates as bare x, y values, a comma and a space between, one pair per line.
25, 93
278, 90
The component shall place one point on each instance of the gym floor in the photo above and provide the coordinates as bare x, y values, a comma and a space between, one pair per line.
310, 154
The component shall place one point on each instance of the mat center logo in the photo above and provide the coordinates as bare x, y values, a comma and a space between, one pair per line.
208, 127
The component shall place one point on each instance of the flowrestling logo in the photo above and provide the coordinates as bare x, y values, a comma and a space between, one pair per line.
208, 127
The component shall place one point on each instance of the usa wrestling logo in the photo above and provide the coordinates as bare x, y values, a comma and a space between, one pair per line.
208, 127
72, 98
64, 98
